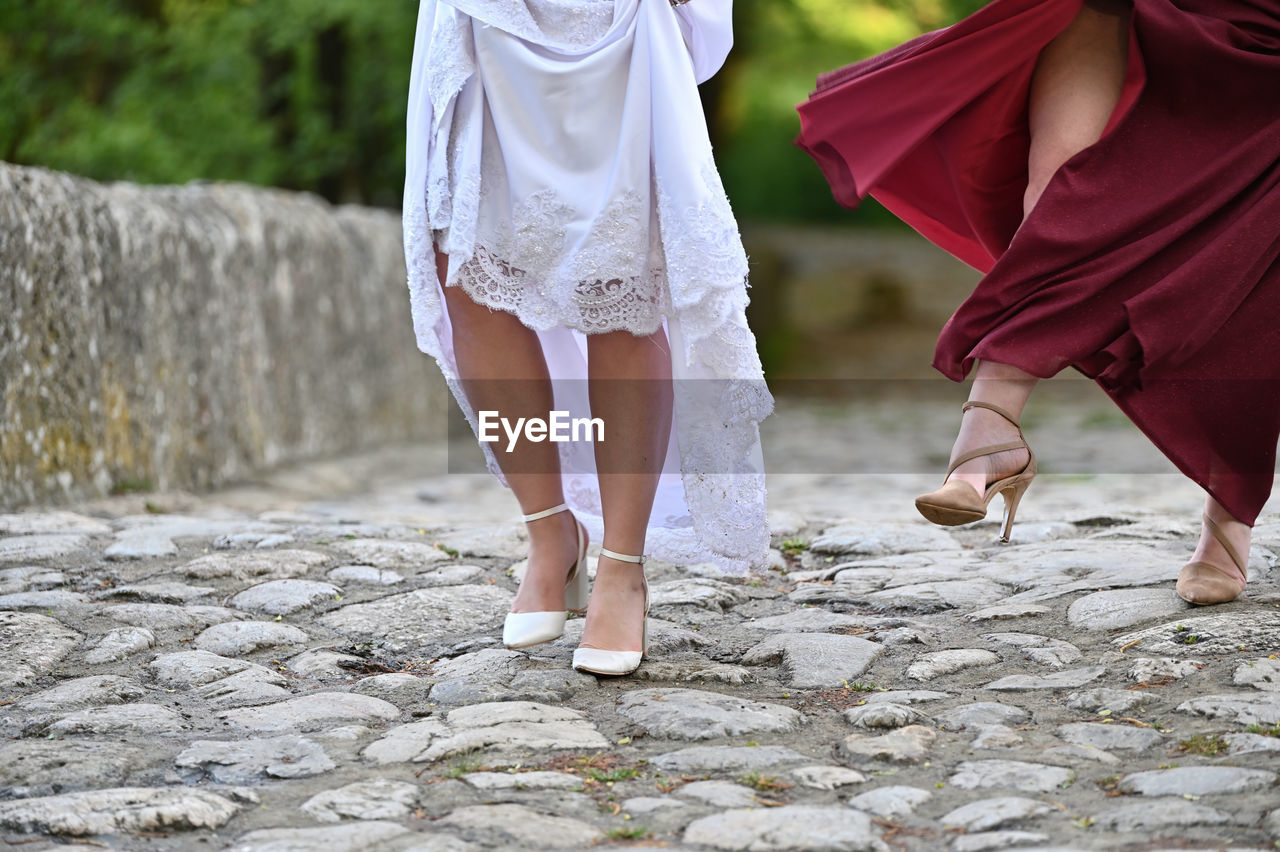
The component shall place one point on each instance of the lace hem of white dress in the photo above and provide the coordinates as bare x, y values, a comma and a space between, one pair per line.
595, 307
567, 23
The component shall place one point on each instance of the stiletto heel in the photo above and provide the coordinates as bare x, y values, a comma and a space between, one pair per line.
526, 629
1012, 497
959, 502
1203, 583
603, 661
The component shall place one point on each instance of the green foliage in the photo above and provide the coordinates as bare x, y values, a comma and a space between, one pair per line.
763, 782
780, 48
793, 546
610, 776
306, 94
310, 94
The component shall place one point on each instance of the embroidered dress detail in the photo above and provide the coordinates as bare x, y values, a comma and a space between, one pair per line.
557, 154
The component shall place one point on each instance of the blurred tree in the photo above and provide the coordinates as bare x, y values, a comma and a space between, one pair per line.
306, 94
781, 47
310, 94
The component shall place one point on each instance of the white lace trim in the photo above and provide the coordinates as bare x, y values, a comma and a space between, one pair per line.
566, 23
450, 62
632, 304
718, 419
612, 281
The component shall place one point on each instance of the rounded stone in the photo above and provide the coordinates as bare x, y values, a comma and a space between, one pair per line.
281, 597
941, 663
380, 798
791, 827
1019, 775
884, 715
972, 716
399, 688
692, 714
312, 712
119, 811
1116, 608
365, 575
903, 745
134, 719
509, 826
1110, 736
987, 814
31, 645
408, 620
1198, 781
891, 802
235, 638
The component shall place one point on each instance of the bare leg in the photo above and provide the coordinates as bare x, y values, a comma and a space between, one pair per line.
502, 369
631, 391
1009, 388
1075, 89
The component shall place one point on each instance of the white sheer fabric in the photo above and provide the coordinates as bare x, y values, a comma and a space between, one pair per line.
557, 153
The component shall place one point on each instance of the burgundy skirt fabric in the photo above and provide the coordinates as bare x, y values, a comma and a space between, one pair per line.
1152, 261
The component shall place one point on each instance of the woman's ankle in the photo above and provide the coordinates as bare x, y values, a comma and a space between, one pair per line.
1219, 514
624, 574
554, 537
1235, 531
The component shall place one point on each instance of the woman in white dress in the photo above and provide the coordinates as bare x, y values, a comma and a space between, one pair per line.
570, 248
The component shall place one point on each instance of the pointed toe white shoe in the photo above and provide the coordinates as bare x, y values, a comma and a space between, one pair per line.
602, 661
526, 629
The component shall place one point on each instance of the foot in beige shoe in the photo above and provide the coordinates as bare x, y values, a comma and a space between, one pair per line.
977, 475
1218, 571
979, 428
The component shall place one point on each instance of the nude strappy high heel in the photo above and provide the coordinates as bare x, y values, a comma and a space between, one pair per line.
526, 629
1204, 583
603, 661
959, 502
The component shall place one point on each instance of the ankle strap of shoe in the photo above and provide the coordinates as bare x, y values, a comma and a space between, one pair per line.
546, 513
1227, 546
973, 403
622, 557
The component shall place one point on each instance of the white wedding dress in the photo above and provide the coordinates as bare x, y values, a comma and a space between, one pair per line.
558, 154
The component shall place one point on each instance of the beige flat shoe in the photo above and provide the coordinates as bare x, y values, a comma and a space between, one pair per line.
957, 503
1202, 583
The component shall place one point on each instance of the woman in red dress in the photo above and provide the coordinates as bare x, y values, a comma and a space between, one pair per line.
1114, 168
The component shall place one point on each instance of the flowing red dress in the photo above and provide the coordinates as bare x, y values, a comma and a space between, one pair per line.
1152, 261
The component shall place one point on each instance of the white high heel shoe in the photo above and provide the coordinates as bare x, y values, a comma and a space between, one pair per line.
526, 629
603, 661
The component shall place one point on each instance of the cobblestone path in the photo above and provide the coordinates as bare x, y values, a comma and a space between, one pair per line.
313, 662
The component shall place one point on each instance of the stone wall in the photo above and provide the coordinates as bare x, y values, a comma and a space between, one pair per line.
184, 337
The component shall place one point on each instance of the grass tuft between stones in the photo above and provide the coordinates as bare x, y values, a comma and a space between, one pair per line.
763, 782
1207, 745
